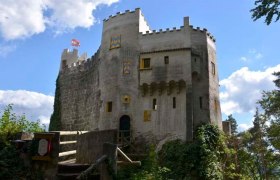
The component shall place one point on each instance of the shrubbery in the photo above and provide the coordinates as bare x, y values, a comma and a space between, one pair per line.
11, 166
203, 158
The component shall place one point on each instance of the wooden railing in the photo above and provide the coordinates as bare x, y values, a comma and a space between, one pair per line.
72, 151
124, 137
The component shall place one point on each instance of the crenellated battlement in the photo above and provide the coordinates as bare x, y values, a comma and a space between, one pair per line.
168, 66
204, 30
82, 64
175, 29
160, 31
118, 14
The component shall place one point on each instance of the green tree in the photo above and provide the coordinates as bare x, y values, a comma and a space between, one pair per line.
10, 124
270, 103
266, 8
233, 122
11, 166
256, 157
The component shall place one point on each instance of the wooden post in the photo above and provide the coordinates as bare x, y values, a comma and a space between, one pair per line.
111, 151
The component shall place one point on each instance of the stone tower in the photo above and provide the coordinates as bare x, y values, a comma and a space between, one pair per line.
151, 85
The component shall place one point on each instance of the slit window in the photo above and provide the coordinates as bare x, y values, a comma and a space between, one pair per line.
174, 102
216, 106
166, 59
200, 102
154, 104
213, 68
109, 106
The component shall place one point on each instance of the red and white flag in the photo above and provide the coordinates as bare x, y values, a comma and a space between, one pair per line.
75, 42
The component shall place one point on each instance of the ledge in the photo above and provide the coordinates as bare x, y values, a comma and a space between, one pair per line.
143, 69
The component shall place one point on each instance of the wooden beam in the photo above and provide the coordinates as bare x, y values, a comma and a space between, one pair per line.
125, 156
67, 153
88, 170
65, 133
125, 163
67, 142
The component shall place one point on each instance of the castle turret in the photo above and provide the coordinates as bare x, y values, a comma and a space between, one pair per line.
71, 58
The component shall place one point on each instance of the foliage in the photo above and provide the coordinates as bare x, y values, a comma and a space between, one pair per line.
11, 166
10, 124
200, 159
270, 102
55, 121
266, 8
212, 155
255, 155
149, 170
233, 122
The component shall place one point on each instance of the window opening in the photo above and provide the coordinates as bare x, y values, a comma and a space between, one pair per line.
174, 102
109, 106
154, 104
166, 59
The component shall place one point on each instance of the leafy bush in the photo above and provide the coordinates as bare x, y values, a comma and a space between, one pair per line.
11, 165
149, 170
11, 124
201, 159
198, 159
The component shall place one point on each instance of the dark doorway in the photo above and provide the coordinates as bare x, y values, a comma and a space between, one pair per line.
124, 129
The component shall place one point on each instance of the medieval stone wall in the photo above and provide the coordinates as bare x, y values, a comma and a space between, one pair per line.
80, 98
164, 100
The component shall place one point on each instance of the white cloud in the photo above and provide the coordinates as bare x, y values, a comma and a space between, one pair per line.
258, 55
244, 59
34, 105
242, 89
21, 19
6, 49
252, 55
244, 127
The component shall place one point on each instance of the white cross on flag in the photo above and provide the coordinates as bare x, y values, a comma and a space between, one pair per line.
75, 42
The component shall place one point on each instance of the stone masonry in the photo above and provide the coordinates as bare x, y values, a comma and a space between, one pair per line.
157, 84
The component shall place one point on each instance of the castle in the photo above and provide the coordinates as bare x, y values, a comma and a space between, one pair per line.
149, 84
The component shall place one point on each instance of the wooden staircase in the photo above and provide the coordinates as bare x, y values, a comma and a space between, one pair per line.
67, 167
72, 171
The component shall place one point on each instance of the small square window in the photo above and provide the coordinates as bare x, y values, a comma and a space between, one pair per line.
147, 115
166, 59
145, 63
109, 106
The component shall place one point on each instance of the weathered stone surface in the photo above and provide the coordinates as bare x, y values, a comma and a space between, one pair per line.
115, 72
90, 145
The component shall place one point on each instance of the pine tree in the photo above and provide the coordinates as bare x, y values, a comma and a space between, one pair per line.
233, 122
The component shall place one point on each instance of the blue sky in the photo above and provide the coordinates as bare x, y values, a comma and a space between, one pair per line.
33, 34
